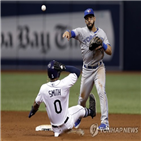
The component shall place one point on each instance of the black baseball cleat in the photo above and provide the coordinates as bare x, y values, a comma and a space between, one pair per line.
92, 105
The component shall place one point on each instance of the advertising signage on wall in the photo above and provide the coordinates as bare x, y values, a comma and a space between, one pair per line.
39, 36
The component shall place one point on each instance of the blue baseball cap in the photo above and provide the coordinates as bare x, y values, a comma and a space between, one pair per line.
52, 73
88, 11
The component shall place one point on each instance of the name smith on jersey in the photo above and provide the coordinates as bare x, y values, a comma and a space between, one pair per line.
55, 92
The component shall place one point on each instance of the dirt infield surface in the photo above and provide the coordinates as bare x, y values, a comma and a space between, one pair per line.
16, 126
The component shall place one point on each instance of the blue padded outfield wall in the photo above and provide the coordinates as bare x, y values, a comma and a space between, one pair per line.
30, 38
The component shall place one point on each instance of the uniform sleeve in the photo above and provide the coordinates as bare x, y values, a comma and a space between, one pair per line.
70, 80
105, 39
38, 99
76, 32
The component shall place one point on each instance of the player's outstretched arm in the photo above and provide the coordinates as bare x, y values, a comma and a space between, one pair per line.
73, 69
34, 109
67, 34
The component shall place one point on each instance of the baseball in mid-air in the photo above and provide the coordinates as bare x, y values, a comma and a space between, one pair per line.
43, 7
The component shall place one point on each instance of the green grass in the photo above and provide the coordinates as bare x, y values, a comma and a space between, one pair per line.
124, 93
19, 90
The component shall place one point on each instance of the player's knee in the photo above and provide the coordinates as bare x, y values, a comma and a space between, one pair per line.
101, 91
100, 88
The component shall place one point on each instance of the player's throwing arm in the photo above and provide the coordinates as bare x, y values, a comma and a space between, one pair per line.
67, 34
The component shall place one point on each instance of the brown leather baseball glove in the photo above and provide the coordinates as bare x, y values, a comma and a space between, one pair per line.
95, 43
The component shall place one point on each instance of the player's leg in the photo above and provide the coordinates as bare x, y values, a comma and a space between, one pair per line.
100, 86
80, 112
85, 89
86, 86
77, 112
74, 113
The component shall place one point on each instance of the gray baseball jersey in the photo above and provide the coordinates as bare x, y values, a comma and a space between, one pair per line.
84, 35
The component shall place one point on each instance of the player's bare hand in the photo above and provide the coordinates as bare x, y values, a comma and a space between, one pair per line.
67, 35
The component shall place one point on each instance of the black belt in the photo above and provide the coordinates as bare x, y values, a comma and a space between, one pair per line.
54, 126
93, 67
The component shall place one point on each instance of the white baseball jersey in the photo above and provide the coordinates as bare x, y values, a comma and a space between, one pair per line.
84, 35
55, 96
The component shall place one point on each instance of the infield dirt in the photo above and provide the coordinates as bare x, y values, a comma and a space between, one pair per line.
16, 126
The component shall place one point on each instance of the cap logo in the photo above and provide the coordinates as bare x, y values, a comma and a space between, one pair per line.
52, 76
49, 65
89, 10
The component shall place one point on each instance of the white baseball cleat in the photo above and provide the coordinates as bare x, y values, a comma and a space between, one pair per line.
56, 134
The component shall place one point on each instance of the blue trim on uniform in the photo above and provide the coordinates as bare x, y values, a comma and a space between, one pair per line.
96, 30
105, 46
73, 34
93, 67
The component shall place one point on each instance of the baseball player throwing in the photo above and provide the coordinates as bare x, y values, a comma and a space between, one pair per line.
93, 44
55, 96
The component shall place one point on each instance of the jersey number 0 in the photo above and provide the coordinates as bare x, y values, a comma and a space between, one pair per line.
58, 107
